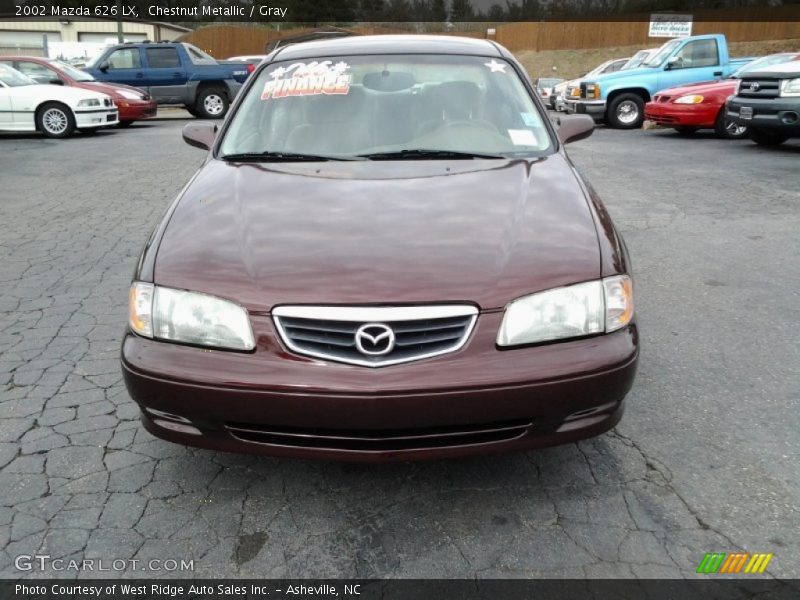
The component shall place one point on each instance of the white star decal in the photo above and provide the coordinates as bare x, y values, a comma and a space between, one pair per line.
496, 67
278, 73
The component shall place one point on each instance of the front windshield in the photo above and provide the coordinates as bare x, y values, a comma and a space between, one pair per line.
760, 63
636, 60
76, 74
661, 54
351, 106
13, 78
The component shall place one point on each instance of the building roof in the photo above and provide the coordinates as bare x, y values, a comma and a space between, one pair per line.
390, 44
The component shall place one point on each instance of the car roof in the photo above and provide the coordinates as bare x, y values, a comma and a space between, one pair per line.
390, 44
30, 58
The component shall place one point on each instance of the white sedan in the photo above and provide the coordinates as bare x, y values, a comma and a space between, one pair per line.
53, 110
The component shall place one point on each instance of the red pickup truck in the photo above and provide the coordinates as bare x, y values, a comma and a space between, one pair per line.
702, 105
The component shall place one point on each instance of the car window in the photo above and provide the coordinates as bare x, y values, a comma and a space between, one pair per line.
13, 78
615, 66
166, 58
125, 58
34, 70
76, 74
661, 55
698, 53
354, 105
199, 57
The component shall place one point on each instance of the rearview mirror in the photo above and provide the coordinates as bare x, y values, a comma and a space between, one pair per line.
200, 135
103, 66
572, 128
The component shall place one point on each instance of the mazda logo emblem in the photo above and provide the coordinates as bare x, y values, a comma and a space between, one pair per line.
374, 339
754, 86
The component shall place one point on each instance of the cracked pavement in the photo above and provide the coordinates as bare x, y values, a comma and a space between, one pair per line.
705, 458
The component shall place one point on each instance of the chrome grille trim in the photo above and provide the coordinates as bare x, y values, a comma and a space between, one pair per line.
328, 332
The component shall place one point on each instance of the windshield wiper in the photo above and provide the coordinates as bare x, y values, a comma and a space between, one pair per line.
269, 156
421, 154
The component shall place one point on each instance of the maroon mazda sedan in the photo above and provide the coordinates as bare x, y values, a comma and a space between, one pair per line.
386, 255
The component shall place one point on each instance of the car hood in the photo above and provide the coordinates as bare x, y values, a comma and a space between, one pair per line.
364, 232
726, 86
108, 88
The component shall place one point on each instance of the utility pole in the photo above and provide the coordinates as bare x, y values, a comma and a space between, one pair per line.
120, 37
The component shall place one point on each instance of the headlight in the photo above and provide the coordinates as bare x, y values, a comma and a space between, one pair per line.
592, 90
572, 311
790, 87
89, 102
188, 317
129, 95
691, 99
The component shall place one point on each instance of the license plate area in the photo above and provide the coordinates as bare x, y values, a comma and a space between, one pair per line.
746, 112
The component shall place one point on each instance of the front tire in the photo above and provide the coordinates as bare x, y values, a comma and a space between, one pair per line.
766, 138
726, 129
626, 111
212, 103
55, 120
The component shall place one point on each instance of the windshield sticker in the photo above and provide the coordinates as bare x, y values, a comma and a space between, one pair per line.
522, 137
529, 119
496, 67
308, 79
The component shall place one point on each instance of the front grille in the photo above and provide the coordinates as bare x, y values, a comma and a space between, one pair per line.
379, 440
759, 88
374, 336
663, 98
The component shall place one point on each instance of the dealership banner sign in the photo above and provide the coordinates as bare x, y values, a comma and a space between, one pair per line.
668, 25
394, 589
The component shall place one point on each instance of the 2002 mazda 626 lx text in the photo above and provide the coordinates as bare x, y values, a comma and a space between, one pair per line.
386, 255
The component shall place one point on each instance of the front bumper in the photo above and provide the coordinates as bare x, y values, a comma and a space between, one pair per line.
781, 115
133, 110
88, 119
475, 401
593, 108
682, 115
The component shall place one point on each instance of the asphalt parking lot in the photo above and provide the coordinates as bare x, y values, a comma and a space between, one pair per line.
705, 459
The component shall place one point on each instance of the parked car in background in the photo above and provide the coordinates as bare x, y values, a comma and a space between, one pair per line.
375, 344
702, 105
767, 102
132, 103
557, 97
173, 73
572, 88
55, 111
619, 98
544, 86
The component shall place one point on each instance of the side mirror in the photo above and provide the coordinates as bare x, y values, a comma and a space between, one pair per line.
572, 128
672, 62
104, 66
55, 81
200, 135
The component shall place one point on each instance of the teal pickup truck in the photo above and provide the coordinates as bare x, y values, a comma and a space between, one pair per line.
619, 98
